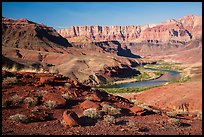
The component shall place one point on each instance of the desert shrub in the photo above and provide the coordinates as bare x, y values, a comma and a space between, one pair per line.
143, 105
135, 101
67, 85
66, 96
16, 100
110, 119
19, 118
89, 98
30, 102
92, 113
14, 68
53, 70
6, 103
199, 115
111, 110
10, 80
171, 114
157, 111
41, 93
174, 121
63, 122
131, 124
182, 109
50, 104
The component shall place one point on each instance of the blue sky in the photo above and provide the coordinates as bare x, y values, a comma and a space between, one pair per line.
66, 14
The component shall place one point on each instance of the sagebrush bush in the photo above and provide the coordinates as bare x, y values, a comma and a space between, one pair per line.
6, 103
111, 110
135, 101
53, 70
19, 118
92, 113
30, 102
89, 98
174, 121
131, 124
67, 85
110, 119
50, 104
66, 96
10, 80
171, 114
16, 100
41, 93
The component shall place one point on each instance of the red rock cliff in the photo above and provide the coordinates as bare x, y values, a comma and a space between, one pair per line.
184, 29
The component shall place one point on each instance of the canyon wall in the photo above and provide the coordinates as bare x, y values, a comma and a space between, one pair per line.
176, 31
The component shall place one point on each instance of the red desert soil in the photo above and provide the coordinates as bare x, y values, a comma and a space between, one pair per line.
138, 121
172, 96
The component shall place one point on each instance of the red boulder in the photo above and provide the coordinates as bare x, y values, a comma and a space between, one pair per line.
60, 101
137, 110
89, 104
71, 118
46, 79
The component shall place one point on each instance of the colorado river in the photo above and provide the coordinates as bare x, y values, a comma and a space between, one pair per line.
169, 75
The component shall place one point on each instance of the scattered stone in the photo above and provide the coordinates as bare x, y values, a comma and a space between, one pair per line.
137, 110
46, 79
71, 118
60, 101
89, 104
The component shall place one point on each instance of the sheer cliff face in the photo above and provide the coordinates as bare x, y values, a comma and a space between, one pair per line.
182, 30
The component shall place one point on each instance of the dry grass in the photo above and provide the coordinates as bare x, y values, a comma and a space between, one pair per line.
30, 69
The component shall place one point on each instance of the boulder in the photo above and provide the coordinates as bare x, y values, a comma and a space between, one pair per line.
137, 110
71, 118
46, 79
60, 101
89, 104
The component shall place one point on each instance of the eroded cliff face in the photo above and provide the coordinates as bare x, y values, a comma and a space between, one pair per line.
25, 34
176, 31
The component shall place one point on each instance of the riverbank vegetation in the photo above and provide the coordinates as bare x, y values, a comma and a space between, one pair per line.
149, 75
145, 75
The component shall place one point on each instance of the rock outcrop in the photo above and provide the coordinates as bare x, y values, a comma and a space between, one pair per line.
25, 34
182, 30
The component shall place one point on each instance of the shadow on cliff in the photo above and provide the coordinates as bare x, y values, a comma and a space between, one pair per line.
115, 47
125, 52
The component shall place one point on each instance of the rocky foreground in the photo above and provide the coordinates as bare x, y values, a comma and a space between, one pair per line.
52, 104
